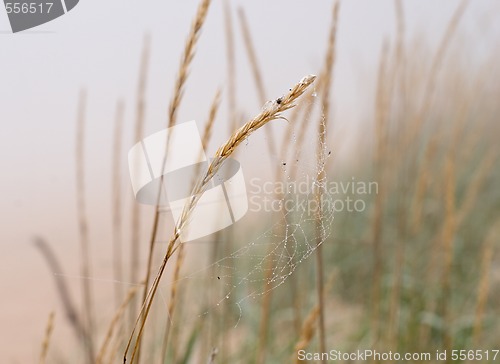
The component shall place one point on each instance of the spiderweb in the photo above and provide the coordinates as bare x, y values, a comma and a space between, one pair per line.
301, 212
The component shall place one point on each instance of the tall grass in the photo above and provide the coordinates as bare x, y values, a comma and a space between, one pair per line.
46, 339
135, 223
414, 272
117, 203
221, 155
322, 177
83, 228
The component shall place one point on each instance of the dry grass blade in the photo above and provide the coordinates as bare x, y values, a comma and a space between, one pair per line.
83, 226
322, 131
265, 319
186, 60
484, 282
207, 133
307, 331
62, 288
396, 83
430, 88
449, 231
117, 202
46, 340
138, 135
231, 67
214, 108
257, 74
251, 55
272, 112
310, 323
114, 321
232, 123
481, 173
306, 109
378, 215
187, 57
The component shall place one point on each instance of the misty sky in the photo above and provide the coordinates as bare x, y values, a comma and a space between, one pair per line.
97, 46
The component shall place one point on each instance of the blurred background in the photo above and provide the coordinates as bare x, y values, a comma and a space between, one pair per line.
417, 270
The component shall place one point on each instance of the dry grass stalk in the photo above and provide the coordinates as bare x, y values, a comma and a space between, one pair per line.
304, 123
186, 59
46, 339
444, 233
308, 330
398, 87
214, 108
301, 125
259, 83
69, 307
138, 136
285, 146
474, 188
265, 318
247, 38
306, 108
484, 281
268, 114
380, 154
422, 183
321, 155
397, 83
233, 122
440, 55
83, 227
450, 225
117, 202
114, 322
115, 346
429, 91
207, 133
294, 124
449, 229
311, 322
231, 66
214, 328
257, 74
267, 298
